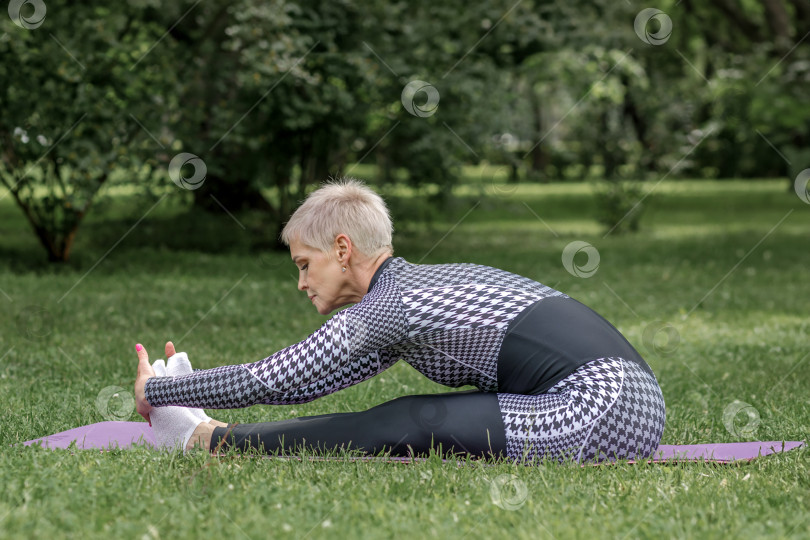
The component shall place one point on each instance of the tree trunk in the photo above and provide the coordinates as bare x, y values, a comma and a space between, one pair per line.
778, 22
630, 110
539, 159
608, 150
236, 195
56, 238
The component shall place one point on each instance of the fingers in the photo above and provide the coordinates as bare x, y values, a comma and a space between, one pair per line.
170, 349
145, 371
143, 357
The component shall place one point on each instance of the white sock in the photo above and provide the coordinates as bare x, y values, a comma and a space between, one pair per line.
172, 426
160, 368
179, 364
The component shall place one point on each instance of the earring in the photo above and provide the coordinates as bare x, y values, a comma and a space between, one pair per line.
344, 268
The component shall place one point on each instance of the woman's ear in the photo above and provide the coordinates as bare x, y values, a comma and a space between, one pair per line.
343, 248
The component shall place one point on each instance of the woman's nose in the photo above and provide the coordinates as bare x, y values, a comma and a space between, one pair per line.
302, 284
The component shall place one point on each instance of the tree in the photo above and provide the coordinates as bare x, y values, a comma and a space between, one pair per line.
69, 109
272, 95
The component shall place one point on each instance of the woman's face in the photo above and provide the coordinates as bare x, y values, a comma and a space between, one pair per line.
320, 276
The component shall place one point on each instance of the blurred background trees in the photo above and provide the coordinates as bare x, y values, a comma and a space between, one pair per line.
274, 96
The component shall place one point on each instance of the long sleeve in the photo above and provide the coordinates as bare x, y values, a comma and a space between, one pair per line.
350, 347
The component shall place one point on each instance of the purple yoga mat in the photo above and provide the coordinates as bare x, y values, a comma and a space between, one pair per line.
101, 436
722, 452
104, 435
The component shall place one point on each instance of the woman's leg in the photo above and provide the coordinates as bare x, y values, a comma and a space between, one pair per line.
457, 422
608, 408
632, 427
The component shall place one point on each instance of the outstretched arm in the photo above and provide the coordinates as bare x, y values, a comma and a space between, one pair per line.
349, 348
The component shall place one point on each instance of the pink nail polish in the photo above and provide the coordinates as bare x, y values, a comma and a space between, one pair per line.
138, 347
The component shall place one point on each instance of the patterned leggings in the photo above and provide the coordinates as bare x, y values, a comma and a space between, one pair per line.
608, 408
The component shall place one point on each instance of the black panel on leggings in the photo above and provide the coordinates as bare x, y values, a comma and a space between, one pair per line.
461, 422
550, 339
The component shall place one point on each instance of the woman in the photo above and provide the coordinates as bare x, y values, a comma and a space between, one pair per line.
555, 380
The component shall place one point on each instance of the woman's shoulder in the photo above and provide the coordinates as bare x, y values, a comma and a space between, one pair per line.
420, 276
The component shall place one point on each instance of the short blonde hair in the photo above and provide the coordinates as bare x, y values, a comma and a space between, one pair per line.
343, 206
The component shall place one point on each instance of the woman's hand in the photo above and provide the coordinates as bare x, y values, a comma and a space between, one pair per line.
145, 371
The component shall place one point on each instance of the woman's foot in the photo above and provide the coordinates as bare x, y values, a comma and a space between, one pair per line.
177, 365
173, 427
180, 427
201, 437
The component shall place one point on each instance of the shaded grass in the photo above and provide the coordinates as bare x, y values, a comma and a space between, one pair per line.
710, 262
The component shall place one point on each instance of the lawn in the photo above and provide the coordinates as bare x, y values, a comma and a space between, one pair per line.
713, 291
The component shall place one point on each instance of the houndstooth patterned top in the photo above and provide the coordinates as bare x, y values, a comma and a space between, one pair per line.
447, 321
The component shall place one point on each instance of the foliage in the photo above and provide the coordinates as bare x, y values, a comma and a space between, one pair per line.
274, 96
620, 206
68, 115
275, 93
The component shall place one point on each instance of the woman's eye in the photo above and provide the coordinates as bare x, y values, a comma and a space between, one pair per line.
304, 267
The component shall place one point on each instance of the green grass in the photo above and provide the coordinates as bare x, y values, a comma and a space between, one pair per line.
711, 262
